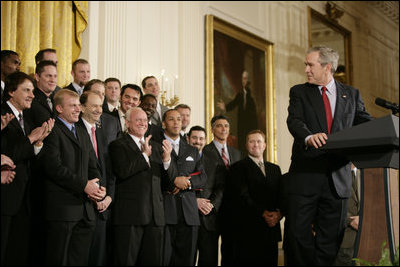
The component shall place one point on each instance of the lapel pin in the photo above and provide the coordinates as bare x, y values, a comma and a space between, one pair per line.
344, 96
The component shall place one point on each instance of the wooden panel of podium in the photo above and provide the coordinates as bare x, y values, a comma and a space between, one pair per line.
373, 147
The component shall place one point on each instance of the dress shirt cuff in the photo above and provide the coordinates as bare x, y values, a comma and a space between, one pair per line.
306, 140
167, 164
36, 149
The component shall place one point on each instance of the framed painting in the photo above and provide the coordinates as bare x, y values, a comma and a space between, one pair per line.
239, 83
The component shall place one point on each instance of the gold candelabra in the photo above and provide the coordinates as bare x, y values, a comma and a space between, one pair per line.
171, 102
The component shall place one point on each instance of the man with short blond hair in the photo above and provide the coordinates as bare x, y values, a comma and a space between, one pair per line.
81, 75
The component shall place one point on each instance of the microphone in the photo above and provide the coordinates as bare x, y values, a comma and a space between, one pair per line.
388, 105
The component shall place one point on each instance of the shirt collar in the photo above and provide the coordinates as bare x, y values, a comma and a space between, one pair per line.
220, 146
14, 110
176, 142
88, 125
256, 160
137, 140
69, 126
330, 87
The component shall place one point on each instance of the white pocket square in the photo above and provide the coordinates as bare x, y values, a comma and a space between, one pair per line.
189, 158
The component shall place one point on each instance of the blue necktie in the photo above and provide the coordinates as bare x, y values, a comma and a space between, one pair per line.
73, 130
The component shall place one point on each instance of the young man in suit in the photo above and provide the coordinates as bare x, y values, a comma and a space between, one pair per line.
71, 185
138, 212
10, 63
185, 111
20, 141
81, 75
255, 190
180, 202
216, 164
320, 182
150, 86
113, 94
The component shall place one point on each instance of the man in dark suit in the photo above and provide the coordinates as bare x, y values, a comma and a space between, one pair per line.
20, 141
91, 102
254, 185
212, 193
10, 63
81, 74
185, 111
148, 103
150, 86
41, 110
71, 183
47, 54
180, 203
138, 215
246, 108
320, 182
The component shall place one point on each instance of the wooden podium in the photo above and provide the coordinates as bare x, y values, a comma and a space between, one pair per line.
374, 148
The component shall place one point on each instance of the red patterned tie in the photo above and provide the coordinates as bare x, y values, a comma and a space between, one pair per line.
94, 141
225, 158
328, 110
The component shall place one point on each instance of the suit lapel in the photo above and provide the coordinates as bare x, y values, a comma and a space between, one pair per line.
341, 102
131, 143
318, 104
67, 132
14, 121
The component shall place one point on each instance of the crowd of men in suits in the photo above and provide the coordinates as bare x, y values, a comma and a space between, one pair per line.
98, 173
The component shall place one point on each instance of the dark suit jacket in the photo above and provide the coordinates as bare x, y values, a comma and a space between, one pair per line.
103, 161
156, 132
138, 197
40, 110
107, 110
68, 164
71, 87
17, 146
111, 127
307, 117
253, 193
216, 176
187, 162
158, 121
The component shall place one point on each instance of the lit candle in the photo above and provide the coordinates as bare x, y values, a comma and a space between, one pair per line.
176, 85
167, 89
162, 80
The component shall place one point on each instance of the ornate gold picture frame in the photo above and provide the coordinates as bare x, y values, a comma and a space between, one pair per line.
231, 51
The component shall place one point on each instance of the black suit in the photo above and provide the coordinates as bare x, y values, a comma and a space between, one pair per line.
319, 180
138, 212
72, 88
156, 132
108, 111
68, 164
253, 193
209, 230
181, 210
111, 127
39, 112
98, 251
15, 202
244, 124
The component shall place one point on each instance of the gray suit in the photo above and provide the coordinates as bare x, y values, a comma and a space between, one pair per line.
156, 119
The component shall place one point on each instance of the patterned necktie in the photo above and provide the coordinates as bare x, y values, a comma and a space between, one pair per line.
48, 100
327, 107
262, 167
176, 148
94, 141
21, 122
225, 158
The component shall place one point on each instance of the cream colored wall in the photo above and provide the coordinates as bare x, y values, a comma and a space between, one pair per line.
130, 40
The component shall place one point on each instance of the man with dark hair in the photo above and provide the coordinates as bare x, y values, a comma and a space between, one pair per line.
182, 217
10, 63
46, 54
197, 138
113, 94
217, 157
130, 97
20, 141
149, 103
81, 75
184, 110
150, 86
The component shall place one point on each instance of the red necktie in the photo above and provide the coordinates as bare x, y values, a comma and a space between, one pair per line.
328, 110
94, 140
225, 158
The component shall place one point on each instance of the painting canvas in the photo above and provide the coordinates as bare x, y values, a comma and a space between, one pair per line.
240, 82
